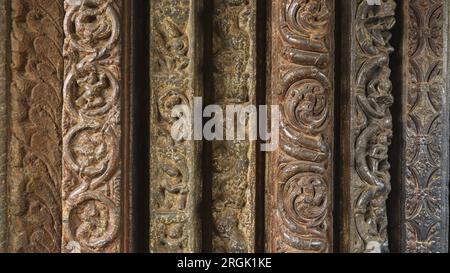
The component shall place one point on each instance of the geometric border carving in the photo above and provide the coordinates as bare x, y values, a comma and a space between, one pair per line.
425, 169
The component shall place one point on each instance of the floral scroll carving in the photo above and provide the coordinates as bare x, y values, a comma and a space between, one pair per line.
234, 182
371, 127
33, 176
91, 127
175, 182
426, 123
301, 193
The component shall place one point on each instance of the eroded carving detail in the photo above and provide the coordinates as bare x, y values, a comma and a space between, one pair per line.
426, 123
234, 161
301, 171
34, 150
371, 126
175, 165
91, 127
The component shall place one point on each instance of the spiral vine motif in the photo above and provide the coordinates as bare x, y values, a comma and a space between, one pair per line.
302, 173
91, 127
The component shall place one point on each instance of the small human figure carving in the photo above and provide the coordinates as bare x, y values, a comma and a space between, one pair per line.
379, 152
93, 86
172, 46
172, 184
173, 238
379, 90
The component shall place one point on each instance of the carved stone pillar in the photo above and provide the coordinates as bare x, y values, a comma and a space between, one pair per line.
301, 170
175, 177
92, 176
234, 167
425, 168
31, 75
366, 96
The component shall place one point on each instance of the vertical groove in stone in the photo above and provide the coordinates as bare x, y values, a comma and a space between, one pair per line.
425, 169
128, 66
301, 171
175, 79
234, 162
3, 124
366, 124
34, 127
92, 177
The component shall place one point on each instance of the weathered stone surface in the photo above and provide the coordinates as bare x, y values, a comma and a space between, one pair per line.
175, 177
3, 124
366, 124
92, 176
33, 177
300, 183
234, 162
425, 169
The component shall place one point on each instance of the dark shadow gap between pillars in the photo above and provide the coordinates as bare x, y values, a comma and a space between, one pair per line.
344, 50
337, 129
208, 98
261, 53
127, 191
140, 124
268, 100
395, 151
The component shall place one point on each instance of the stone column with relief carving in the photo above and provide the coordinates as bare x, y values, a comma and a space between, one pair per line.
366, 123
300, 183
234, 161
31, 76
425, 119
175, 79
92, 189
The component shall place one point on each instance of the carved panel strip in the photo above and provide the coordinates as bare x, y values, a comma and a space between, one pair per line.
425, 127
234, 173
367, 124
92, 178
3, 124
301, 170
34, 114
175, 185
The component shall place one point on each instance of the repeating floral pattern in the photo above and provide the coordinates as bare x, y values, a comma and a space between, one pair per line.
426, 155
61, 187
92, 184
34, 131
